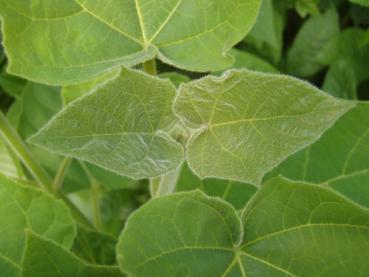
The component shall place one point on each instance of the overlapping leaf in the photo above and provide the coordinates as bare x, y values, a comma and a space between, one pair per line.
339, 159
57, 42
288, 229
45, 258
120, 126
24, 208
247, 122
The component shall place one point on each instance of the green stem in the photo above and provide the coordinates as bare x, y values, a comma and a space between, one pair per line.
168, 182
95, 201
150, 67
18, 146
59, 178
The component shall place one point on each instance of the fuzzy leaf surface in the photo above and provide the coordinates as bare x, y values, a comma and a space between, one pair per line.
248, 122
120, 127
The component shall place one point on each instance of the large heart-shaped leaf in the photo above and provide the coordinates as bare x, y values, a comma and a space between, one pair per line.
339, 159
63, 42
288, 229
45, 258
248, 122
120, 126
27, 208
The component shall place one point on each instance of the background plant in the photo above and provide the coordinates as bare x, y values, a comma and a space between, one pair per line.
165, 138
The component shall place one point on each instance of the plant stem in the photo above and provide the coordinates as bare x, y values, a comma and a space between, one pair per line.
167, 182
94, 192
59, 178
18, 146
150, 67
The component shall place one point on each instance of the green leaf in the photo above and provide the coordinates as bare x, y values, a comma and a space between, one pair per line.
364, 3
8, 164
189, 235
27, 208
235, 193
341, 82
267, 33
44, 258
288, 229
72, 92
247, 122
63, 37
339, 159
348, 46
315, 33
246, 60
94, 247
120, 127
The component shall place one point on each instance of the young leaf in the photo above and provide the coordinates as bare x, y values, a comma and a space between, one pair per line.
289, 229
27, 208
44, 258
340, 158
248, 122
235, 193
303, 56
120, 127
72, 92
63, 36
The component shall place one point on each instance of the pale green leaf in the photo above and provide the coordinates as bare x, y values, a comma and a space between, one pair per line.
235, 193
120, 127
45, 258
339, 159
67, 42
288, 229
247, 122
315, 33
27, 208
72, 92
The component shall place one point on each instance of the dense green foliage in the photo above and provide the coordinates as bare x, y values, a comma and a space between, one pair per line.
184, 138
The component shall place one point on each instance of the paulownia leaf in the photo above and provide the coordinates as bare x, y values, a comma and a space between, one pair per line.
72, 92
120, 126
317, 31
248, 122
235, 193
64, 42
288, 229
27, 208
339, 159
45, 258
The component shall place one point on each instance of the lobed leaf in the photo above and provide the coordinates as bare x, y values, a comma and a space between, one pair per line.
63, 36
247, 122
119, 126
288, 229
